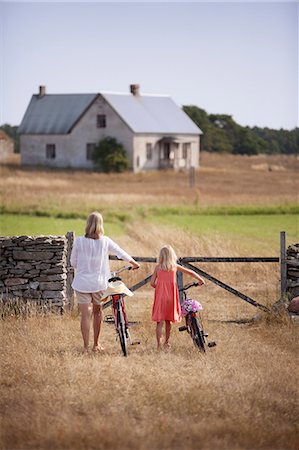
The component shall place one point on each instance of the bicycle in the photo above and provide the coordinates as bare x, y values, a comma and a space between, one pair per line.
117, 290
190, 310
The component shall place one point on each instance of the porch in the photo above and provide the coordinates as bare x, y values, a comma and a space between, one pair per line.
173, 154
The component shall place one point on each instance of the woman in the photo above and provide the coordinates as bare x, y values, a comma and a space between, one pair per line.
90, 258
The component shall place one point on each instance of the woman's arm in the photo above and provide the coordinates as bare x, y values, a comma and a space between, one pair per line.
115, 249
74, 254
153, 279
134, 263
191, 273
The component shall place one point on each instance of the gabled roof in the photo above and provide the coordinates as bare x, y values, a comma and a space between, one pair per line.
151, 114
54, 113
58, 113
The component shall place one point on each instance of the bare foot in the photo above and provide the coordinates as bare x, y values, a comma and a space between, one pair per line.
167, 345
85, 351
98, 348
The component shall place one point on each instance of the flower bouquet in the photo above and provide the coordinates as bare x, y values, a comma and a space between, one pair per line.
190, 306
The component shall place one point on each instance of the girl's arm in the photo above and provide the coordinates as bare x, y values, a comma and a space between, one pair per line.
191, 273
154, 277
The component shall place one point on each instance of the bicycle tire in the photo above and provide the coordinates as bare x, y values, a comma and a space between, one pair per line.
121, 328
197, 334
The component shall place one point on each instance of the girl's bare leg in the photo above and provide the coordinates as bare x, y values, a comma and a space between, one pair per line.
159, 333
97, 323
167, 331
85, 324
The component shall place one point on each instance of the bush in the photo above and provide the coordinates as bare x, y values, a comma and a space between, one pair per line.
110, 156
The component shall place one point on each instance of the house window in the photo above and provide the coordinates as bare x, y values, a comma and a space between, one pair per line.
101, 121
50, 151
186, 148
89, 151
137, 161
149, 151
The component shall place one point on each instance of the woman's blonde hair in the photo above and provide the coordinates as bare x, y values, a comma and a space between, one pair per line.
167, 258
94, 226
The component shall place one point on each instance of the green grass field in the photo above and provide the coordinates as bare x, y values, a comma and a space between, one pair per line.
258, 231
16, 225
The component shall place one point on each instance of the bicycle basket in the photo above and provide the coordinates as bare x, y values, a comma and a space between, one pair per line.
190, 306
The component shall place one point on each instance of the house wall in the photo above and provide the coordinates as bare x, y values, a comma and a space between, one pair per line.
33, 150
71, 148
86, 131
179, 162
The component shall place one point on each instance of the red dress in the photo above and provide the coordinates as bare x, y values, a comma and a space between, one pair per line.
166, 303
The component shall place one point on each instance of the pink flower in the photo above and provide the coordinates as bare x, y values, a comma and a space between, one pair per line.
190, 305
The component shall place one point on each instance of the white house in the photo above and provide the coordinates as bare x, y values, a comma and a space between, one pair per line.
61, 130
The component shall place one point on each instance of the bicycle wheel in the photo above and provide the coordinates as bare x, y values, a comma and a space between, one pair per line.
121, 329
197, 334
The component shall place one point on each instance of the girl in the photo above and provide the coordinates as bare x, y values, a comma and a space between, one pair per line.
166, 305
90, 258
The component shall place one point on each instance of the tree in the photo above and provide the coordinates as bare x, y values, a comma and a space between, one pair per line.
201, 118
222, 134
110, 156
246, 144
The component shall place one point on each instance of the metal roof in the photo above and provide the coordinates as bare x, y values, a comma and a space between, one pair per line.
151, 114
54, 113
58, 113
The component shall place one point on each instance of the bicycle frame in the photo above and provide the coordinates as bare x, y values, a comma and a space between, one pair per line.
117, 304
194, 325
119, 313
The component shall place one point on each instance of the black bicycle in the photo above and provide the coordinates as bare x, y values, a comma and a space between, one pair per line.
118, 292
190, 309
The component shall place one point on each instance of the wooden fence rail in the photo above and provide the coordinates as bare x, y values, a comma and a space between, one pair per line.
225, 286
185, 261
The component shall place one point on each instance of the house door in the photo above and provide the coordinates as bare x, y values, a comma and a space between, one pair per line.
166, 156
166, 151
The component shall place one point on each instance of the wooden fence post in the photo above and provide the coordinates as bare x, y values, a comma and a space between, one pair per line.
283, 264
192, 176
70, 235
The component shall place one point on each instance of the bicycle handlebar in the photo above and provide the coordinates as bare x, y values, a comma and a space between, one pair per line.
188, 286
122, 269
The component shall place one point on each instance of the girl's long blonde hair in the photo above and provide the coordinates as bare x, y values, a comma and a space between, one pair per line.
167, 258
94, 226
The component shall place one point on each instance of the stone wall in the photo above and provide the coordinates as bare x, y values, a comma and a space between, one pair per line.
293, 271
36, 268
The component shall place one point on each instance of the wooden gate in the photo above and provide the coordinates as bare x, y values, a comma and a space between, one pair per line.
188, 261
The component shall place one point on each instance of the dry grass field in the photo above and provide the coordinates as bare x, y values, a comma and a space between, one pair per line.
221, 180
241, 395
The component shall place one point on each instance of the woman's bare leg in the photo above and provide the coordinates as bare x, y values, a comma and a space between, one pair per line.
97, 323
85, 324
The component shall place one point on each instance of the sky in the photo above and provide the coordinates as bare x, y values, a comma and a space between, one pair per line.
238, 58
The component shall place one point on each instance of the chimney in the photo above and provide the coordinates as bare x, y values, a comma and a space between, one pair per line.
134, 89
42, 91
